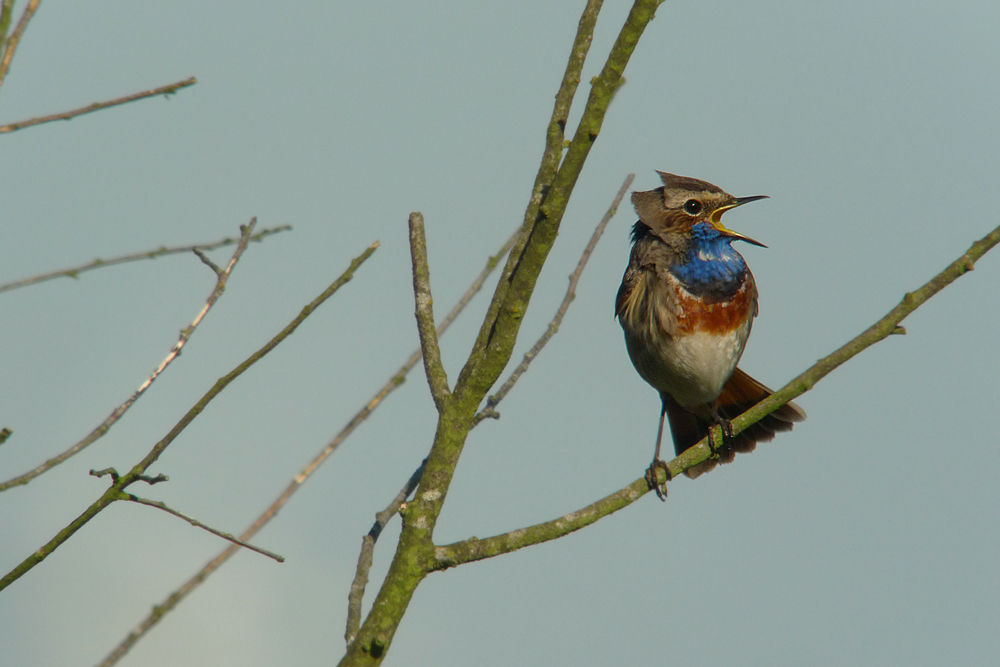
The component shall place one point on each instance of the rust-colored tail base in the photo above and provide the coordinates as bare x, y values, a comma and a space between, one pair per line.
740, 394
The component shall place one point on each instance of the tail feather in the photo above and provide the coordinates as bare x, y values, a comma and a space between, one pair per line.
738, 395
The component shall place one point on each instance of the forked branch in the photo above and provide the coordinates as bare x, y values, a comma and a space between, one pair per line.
222, 275
116, 491
75, 271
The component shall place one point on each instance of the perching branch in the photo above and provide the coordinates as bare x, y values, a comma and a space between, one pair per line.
149, 254
357, 593
475, 549
171, 602
116, 490
490, 410
10, 44
436, 376
222, 276
166, 91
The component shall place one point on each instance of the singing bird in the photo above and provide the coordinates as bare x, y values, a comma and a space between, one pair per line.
686, 304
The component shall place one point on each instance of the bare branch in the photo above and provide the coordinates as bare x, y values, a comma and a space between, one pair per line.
149, 254
105, 426
166, 91
10, 45
436, 376
199, 524
172, 600
116, 491
474, 549
357, 593
490, 410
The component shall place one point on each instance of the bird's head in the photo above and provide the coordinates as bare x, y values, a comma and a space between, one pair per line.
683, 202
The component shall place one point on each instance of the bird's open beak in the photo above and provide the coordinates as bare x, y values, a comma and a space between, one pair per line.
717, 219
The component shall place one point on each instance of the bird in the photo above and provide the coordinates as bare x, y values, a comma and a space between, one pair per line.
686, 306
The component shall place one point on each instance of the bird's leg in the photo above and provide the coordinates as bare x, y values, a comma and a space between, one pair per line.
651, 478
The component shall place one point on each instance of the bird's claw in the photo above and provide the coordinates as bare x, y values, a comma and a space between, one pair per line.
727, 436
654, 483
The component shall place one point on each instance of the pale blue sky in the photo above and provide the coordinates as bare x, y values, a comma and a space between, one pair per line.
870, 535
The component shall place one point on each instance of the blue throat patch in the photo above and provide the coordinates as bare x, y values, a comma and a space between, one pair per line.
711, 265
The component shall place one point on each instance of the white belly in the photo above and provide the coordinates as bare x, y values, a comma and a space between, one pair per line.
692, 368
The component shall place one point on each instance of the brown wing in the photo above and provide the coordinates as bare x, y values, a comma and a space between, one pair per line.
627, 292
646, 298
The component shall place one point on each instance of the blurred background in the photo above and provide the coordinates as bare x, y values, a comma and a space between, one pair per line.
869, 535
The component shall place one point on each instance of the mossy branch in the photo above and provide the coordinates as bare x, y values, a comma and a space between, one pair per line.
555, 138
10, 43
545, 211
490, 410
415, 553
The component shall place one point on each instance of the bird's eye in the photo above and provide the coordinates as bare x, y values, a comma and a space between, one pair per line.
692, 207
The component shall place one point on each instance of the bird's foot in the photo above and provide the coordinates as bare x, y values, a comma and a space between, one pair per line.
654, 483
727, 436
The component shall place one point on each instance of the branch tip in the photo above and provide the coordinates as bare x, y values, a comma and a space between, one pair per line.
198, 524
106, 471
437, 378
153, 480
166, 91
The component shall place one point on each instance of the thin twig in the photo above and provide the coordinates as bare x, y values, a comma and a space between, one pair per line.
166, 91
15, 37
207, 262
116, 491
199, 524
175, 598
436, 376
149, 254
474, 549
490, 410
222, 276
357, 593
106, 471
